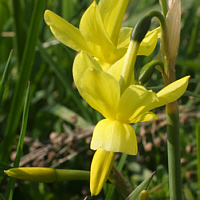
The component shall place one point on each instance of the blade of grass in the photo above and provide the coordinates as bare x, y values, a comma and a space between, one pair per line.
4, 166
4, 13
25, 71
198, 157
1, 197
5, 76
67, 9
11, 183
63, 80
20, 35
143, 186
67, 114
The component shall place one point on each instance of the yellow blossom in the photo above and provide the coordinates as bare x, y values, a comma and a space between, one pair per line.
120, 109
100, 33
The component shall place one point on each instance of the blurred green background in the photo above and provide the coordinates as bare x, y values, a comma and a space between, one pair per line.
60, 122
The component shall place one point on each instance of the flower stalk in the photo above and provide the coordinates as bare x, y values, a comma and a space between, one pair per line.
170, 48
173, 147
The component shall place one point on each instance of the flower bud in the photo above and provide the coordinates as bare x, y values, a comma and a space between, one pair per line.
146, 72
46, 175
140, 29
144, 195
35, 174
101, 166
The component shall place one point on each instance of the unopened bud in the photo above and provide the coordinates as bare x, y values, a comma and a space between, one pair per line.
144, 195
101, 166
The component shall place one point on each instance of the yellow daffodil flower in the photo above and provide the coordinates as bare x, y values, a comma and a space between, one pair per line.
100, 33
120, 109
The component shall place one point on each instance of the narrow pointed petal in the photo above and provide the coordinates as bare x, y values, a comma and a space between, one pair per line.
124, 37
147, 45
114, 136
144, 117
65, 32
93, 30
101, 166
168, 94
132, 101
112, 13
105, 91
173, 91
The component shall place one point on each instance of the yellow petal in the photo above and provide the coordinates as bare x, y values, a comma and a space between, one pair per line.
134, 99
168, 94
115, 136
172, 92
100, 90
115, 70
112, 13
124, 37
65, 32
82, 62
144, 117
147, 45
101, 166
104, 65
93, 30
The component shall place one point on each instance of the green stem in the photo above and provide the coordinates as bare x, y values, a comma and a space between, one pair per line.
120, 182
63, 174
160, 17
198, 157
164, 7
173, 146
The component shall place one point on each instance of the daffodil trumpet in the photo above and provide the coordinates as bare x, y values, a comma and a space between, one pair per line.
46, 175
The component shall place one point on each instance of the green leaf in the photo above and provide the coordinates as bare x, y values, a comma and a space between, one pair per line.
1, 197
4, 166
67, 114
20, 34
188, 93
143, 186
11, 183
198, 156
61, 77
5, 76
24, 75
188, 193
